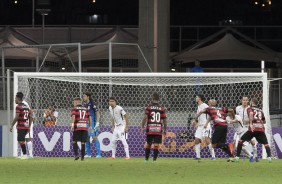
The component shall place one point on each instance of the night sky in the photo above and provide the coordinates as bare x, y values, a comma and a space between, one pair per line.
125, 12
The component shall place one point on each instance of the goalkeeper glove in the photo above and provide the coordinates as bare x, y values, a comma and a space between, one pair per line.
97, 124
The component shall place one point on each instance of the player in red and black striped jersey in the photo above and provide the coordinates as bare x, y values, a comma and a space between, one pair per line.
256, 129
23, 118
80, 122
218, 116
155, 119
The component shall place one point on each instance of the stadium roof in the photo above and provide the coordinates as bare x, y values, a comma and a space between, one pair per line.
228, 48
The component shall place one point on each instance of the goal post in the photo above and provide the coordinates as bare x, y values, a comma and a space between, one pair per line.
133, 92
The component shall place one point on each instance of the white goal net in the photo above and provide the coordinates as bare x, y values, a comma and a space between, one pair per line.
133, 92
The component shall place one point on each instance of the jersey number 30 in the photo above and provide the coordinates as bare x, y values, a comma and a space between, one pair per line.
156, 117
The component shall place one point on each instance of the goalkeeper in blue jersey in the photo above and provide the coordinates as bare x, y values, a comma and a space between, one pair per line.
89, 103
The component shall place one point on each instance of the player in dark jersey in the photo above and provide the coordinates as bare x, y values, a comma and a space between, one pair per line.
155, 119
23, 119
218, 116
256, 129
79, 126
89, 103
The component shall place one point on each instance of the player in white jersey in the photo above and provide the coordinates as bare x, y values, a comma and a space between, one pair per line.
119, 127
201, 132
241, 110
240, 130
29, 135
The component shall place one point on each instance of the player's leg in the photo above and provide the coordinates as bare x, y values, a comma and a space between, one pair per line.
82, 151
74, 144
254, 146
97, 144
198, 148
262, 139
219, 139
149, 139
245, 147
157, 141
156, 152
235, 140
246, 137
21, 140
19, 151
123, 137
83, 139
207, 136
29, 147
87, 147
208, 142
28, 140
247, 152
198, 138
115, 138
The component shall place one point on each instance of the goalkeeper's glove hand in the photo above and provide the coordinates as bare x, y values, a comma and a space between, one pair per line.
97, 124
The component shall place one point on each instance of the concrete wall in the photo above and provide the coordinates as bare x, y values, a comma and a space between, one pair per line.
7, 141
3, 117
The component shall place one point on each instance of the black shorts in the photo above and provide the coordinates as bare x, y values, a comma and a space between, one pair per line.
260, 137
219, 134
154, 139
21, 135
80, 136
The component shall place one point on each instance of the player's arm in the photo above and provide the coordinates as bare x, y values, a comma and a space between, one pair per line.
165, 126
263, 118
237, 110
30, 117
46, 114
235, 120
144, 120
208, 121
232, 121
126, 123
113, 125
14, 121
97, 123
230, 110
194, 122
89, 124
199, 113
53, 116
72, 122
251, 117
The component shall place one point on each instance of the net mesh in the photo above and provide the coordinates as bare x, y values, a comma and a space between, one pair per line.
133, 93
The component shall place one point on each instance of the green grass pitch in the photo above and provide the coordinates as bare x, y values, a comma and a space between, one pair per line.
135, 171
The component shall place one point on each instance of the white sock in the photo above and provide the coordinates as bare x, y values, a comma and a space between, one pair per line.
126, 148
114, 148
198, 149
255, 151
20, 153
246, 151
211, 150
29, 146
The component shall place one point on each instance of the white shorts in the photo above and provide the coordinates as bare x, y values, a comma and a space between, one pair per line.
202, 132
30, 134
119, 133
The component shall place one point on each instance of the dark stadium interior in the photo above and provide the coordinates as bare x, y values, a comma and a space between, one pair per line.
125, 12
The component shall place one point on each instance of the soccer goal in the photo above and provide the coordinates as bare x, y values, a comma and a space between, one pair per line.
133, 92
